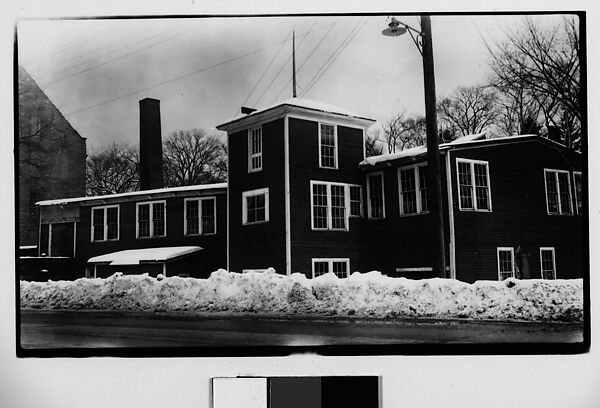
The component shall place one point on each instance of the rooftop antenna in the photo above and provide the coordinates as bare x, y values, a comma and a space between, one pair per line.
294, 63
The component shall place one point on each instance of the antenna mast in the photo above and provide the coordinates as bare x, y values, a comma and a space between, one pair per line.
294, 63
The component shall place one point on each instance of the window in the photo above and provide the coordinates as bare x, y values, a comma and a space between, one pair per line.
578, 191
329, 206
339, 266
558, 192
327, 146
413, 187
506, 263
355, 201
105, 223
151, 219
255, 206
200, 216
375, 195
255, 149
473, 185
547, 263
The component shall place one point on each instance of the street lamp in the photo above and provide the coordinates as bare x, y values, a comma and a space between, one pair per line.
422, 40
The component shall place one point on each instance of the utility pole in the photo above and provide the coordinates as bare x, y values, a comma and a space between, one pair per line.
294, 63
433, 153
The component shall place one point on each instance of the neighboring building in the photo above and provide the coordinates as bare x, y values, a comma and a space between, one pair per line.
301, 197
51, 157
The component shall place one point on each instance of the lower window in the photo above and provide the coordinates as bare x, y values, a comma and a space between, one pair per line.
255, 206
506, 263
547, 263
339, 266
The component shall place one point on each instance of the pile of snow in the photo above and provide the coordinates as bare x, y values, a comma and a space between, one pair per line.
363, 295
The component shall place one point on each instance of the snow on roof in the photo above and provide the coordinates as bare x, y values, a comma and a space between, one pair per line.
421, 150
136, 256
199, 187
302, 103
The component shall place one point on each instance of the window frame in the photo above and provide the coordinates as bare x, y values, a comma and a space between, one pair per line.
416, 175
577, 203
335, 146
369, 207
105, 226
471, 163
512, 257
328, 185
253, 193
360, 191
330, 262
151, 219
553, 262
255, 155
200, 229
558, 191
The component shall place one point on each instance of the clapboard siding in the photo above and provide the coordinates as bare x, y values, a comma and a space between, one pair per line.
262, 245
304, 167
518, 217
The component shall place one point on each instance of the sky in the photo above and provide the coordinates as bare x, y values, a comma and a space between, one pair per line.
204, 69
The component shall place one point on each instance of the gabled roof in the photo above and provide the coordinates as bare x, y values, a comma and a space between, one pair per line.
155, 193
144, 255
297, 104
420, 152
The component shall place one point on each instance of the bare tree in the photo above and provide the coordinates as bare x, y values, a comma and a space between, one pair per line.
373, 143
469, 110
403, 132
538, 69
112, 169
193, 157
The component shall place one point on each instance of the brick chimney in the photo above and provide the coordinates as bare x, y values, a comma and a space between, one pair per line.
151, 162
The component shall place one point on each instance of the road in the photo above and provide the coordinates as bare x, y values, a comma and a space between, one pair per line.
87, 329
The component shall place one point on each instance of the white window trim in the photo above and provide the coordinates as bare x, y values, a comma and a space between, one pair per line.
199, 200
577, 203
512, 255
349, 201
335, 150
250, 154
553, 261
369, 209
417, 187
252, 193
328, 185
472, 163
330, 261
557, 184
137, 219
105, 232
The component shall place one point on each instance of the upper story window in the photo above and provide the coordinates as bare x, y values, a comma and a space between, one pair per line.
413, 185
105, 223
578, 191
331, 205
151, 219
558, 192
200, 216
375, 196
473, 185
547, 263
506, 263
339, 266
255, 149
328, 156
255, 206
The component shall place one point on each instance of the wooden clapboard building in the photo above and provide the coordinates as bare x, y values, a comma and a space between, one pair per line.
302, 197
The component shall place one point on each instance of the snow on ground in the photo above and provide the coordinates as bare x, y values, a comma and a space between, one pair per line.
363, 295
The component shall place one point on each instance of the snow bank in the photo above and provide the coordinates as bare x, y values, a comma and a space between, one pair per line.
365, 295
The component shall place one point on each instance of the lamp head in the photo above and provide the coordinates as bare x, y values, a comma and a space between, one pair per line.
394, 29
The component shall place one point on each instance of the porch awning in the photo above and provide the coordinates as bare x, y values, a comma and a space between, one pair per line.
144, 255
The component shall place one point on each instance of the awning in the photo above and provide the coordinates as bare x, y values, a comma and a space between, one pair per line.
144, 255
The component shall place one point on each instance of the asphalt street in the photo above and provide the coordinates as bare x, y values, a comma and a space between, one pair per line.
92, 329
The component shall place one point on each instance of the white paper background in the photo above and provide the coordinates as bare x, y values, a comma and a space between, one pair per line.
419, 381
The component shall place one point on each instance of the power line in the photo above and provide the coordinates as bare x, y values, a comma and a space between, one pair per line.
334, 56
306, 60
174, 79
